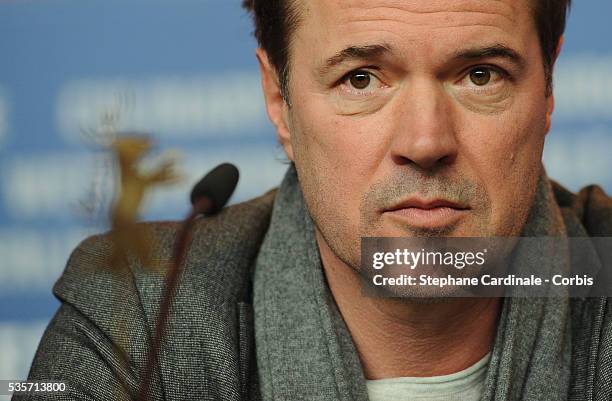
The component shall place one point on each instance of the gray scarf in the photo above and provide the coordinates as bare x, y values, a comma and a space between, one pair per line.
305, 351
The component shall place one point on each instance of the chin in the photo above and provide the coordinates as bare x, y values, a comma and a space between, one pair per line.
459, 229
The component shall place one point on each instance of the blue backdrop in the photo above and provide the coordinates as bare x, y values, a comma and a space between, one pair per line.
184, 70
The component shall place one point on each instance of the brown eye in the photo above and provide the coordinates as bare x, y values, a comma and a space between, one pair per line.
480, 76
360, 79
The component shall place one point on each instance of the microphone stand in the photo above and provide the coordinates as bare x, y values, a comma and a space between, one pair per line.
201, 206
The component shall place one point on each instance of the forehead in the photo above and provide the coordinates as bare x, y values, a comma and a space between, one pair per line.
428, 25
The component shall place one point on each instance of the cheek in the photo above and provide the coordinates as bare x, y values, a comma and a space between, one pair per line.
506, 152
343, 152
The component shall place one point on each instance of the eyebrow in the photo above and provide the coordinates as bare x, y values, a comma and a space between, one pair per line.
367, 52
372, 52
497, 50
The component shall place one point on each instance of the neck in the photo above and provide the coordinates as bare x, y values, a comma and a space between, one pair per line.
410, 337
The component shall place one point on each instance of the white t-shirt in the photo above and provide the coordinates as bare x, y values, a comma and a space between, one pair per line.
466, 385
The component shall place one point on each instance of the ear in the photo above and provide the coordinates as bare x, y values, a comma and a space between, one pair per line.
277, 108
551, 98
550, 107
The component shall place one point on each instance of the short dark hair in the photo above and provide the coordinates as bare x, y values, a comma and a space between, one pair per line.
275, 21
550, 17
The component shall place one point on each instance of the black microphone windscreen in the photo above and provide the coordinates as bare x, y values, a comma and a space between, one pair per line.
218, 185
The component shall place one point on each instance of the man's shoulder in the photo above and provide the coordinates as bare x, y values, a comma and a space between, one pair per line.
591, 207
589, 211
108, 314
216, 268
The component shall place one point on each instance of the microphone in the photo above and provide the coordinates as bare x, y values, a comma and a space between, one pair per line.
213, 191
207, 197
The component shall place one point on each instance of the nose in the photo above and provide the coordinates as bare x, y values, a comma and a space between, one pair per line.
424, 135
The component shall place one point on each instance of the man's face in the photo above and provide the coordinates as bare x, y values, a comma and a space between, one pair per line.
412, 118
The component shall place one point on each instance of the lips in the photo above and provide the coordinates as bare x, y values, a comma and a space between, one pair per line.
427, 213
